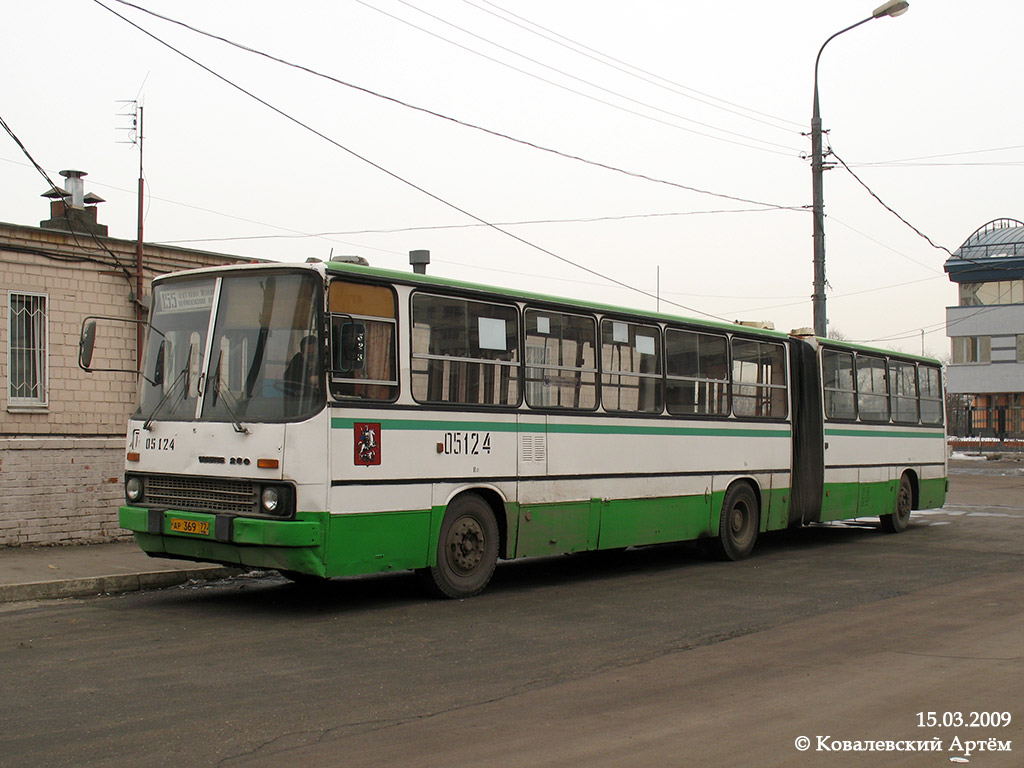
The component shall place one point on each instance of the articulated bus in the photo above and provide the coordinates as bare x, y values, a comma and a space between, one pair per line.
336, 419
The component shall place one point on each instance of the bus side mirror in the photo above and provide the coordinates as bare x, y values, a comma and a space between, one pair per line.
350, 346
86, 345
115, 352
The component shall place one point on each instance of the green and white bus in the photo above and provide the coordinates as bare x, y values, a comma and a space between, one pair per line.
335, 419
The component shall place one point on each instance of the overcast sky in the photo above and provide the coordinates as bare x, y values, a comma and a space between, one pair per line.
924, 108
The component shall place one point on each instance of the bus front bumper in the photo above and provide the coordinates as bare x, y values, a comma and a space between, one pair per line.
291, 545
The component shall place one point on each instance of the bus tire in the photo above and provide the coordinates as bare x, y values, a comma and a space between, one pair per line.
737, 526
899, 519
467, 548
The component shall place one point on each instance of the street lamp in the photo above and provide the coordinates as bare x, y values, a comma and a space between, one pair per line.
891, 8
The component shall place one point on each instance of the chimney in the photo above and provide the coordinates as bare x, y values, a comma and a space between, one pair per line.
71, 210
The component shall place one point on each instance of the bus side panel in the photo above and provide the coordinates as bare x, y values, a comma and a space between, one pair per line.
877, 492
776, 501
932, 492
653, 521
841, 494
551, 529
377, 542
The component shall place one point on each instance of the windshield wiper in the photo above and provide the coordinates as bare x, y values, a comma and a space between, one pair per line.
180, 378
228, 397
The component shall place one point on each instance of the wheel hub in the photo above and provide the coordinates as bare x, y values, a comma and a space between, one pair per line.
737, 520
466, 544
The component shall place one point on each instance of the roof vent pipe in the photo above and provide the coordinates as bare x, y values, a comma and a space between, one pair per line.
75, 187
419, 261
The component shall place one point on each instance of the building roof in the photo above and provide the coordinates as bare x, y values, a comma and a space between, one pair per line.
994, 252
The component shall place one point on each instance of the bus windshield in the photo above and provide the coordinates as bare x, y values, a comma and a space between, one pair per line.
264, 362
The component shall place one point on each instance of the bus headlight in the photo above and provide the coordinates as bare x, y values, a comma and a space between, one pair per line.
271, 499
133, 489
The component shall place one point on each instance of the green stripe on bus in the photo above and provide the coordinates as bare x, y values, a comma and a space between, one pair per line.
430, 425
884, 433
620, 429
581, 429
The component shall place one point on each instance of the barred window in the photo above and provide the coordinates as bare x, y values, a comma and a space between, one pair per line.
27, 346
464, 351
697, 368
872, 389
561, 360
758, 379
838, 383
631, 367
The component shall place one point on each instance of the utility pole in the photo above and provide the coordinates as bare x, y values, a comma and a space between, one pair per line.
891, 8
139, 332
135, 137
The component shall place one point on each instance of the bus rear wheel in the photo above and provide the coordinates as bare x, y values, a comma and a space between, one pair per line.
737, 527
467, 548
898, 521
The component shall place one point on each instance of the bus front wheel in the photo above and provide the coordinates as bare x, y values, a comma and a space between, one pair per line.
467, 548
900, 517
737, 527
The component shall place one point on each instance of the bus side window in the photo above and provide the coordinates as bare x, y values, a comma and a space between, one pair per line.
837, 381
464, 351
364, 349
872, 388
631, 367
931, 394
697, 368
904, 392
561, 360
758, 379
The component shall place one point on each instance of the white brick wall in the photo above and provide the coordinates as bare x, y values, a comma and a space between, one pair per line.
57, 490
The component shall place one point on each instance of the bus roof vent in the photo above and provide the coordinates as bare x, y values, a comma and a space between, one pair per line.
764, 325
802, 333
351, 260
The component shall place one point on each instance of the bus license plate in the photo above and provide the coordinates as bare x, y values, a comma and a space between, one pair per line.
178, 525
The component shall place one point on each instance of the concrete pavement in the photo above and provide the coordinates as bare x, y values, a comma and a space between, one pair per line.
34, 573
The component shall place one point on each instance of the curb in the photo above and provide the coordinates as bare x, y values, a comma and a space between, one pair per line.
109, 585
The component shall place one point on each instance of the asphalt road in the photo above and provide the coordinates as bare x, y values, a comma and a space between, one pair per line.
651, 657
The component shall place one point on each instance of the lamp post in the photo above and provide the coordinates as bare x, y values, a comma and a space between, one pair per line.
891, 8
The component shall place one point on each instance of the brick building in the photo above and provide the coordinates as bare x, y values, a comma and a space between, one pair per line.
62, 429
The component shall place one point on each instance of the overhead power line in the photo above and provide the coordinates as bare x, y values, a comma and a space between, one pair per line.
902, 255
633, 71
894, 166
563, 73
439, 227
54, 187
840, 295
941, 157
489, 131
988, 265
392, 174
887, 207
535, 76
912, 332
